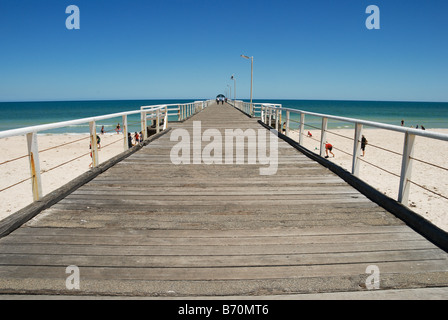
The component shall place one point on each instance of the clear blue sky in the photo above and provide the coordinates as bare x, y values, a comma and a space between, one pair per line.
158, 49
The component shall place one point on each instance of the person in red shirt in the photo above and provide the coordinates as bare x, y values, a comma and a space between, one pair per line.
328, 148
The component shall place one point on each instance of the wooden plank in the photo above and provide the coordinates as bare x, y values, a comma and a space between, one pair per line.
207, 250
161, 241
208, 261
224, 273
272, 232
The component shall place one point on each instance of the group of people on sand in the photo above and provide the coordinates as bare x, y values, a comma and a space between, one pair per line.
416, 127
138, 138
132, 140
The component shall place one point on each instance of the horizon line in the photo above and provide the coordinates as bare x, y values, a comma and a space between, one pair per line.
200, 99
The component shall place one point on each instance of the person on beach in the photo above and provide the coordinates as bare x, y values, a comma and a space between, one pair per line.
309, 134
363, 145
91, 163
136, 138
98, 141
102, 130
118, 128
328, 148
402, 122
130, 145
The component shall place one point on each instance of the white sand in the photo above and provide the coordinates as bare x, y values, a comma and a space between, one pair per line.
423, 202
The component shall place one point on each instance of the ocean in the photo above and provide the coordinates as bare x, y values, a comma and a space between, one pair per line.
22, 114
429, 114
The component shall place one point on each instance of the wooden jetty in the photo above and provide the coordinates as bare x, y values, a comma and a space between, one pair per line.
149, 228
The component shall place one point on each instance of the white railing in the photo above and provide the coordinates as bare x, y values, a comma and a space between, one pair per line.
182, 111
271, 115
254, 109
158, 113
186, 110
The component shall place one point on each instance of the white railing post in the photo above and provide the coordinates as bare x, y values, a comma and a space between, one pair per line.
266, 114
125, 132
287, 124
280, 120
406, 169
323, 137
33, 157
93, 144
301, 128
356, 149
276, 119
270, 116
165, 120
157, 120
143, 125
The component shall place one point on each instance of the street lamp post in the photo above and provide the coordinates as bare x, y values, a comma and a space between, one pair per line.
234, 86
251, 78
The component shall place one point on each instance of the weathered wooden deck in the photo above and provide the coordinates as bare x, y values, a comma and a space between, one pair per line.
147, 227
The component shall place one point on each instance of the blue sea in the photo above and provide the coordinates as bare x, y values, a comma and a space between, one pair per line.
429, 114
22, 114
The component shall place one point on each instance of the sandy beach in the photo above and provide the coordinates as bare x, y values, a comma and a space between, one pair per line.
428, 204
